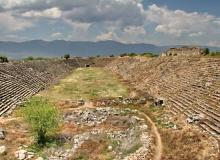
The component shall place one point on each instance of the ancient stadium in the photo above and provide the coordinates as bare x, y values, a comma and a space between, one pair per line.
122, 107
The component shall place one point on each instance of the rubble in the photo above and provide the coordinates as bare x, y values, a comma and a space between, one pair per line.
121, 101
137, 131
194, 118
2, 150
24, 154
2, 134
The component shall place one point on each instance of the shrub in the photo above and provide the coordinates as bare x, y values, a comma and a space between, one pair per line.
31, 58
215, 54
132, 54
123, 54
3, 59
149, 55
206, 51
42, 117
112, 55
66, 56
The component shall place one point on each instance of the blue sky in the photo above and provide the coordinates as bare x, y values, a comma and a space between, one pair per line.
209, 6
161, 22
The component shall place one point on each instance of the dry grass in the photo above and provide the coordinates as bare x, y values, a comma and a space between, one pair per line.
185, 143
16, 136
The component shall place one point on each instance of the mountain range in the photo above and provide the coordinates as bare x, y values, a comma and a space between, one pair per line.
76, 48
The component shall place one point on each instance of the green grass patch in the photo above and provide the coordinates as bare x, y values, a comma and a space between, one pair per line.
87, 84
132, 149
42, 118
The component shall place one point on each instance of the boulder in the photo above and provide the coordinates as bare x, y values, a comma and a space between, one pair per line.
21, 154
2, 150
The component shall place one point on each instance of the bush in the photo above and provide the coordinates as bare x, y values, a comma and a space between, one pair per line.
149, 55
132, 54
3, 59
66, 56
123, 54
217, 54
42, 117
112, 55
206, 51
31, 58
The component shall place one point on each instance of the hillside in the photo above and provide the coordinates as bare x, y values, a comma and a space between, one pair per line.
60, 47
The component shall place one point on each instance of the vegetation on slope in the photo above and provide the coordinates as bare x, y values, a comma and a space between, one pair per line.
31, 58
42, 117
138, 54
3, 59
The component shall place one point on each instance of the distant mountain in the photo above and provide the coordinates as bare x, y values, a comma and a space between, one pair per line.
61, 47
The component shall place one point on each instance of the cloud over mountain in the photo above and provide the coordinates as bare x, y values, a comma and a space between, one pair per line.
121, 20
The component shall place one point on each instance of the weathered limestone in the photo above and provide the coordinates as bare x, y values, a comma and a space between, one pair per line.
183, 51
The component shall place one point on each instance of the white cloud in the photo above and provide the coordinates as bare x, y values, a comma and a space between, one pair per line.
48, 13
12, 24
196, 34
135, 30
15, 3
121, 20
56, 35
178, 22
126, 12
106, 36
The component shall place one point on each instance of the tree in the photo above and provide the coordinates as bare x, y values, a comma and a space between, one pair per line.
3, 59
112, 55
66, 56
206, 51
42, 117
123, 54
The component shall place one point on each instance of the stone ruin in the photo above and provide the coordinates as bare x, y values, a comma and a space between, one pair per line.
189, 85
184, 51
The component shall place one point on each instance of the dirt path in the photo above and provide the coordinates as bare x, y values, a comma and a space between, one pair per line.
159, 145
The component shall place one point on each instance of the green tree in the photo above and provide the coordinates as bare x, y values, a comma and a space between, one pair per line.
123, 54
42, 117
30, 58
206, 51
3, 59
66, 56
112, 55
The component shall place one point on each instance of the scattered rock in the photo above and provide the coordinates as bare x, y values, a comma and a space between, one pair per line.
195, 118
2, 134
110, 148
121, 101
2, 150
80, 102
24, 155
159, 102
